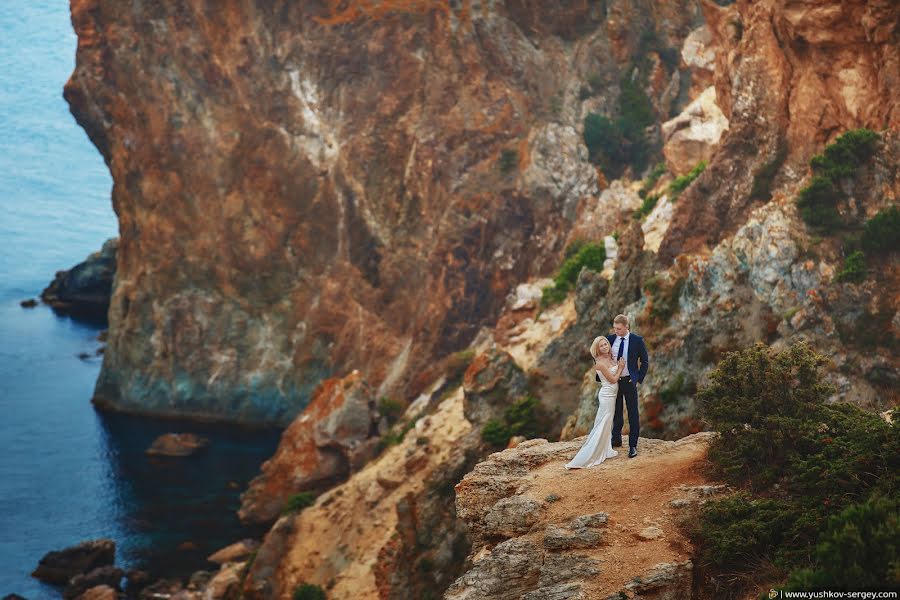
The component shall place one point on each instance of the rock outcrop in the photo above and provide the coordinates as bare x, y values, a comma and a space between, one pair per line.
789, 77
85, 289
541, 531
325, 186
335, 435
390, 531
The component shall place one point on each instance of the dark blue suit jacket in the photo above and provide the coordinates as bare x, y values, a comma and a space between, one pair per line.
637, 359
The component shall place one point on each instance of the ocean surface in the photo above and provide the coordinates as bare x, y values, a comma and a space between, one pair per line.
67, 472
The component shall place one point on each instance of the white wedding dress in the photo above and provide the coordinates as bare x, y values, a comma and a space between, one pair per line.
598, 446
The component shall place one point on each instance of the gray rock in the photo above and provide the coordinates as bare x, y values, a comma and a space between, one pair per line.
85, 289
512, 516
60, 566
564, 538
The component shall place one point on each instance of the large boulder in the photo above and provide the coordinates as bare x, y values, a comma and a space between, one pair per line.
692, 136
86, 288
336, 434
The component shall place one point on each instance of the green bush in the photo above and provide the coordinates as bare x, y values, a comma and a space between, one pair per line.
854, 268
308, 591
389, 409
524, 417
882, 232
589, 256
821, 470
759, 403
846, 154
648, 184
664, 297
647, 206
736, 530
859, 549
818, 204
496, 433
299, 501
509, 159
615, 144
683, 181
818, 201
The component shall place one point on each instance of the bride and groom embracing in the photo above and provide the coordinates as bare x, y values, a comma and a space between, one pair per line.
620, 364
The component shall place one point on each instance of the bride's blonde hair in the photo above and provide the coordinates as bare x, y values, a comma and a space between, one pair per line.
595, 346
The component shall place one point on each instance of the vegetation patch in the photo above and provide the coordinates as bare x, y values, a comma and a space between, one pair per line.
817, 483
524, 417
585, 255
683, 181
299, 501
309, 591
509, 159
819, 200
617, 143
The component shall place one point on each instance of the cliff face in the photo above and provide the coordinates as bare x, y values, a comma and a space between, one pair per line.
307, 188
789, 76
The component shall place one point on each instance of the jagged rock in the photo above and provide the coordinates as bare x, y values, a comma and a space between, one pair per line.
100, 592
162, 588
491, 383
666, 581
564, 538
509, 570
108, 575
237, 551
61, 565
692, 136
225, 584
788, 77
335, 435
410, 540
511, 516
542, 557
85, 289
177, 444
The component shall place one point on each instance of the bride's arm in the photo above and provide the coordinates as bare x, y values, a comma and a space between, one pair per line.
620, 366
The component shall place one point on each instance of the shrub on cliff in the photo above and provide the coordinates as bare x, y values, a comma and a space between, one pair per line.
882, 232
308, 591
617, 143
846, 154
854, 269
299, 501
683, 181
810, 473
589, 256
524, 417
819, 200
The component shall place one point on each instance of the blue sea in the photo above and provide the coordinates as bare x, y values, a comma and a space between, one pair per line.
67, 472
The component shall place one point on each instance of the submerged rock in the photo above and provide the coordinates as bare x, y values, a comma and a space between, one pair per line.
177, 444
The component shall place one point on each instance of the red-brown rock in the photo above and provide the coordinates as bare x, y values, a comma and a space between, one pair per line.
335, 435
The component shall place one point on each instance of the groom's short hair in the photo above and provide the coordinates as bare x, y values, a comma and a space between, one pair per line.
621, 319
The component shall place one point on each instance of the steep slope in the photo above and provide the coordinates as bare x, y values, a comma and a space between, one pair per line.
311, 187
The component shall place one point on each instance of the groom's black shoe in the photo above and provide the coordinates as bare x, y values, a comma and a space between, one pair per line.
632, 452
616, 444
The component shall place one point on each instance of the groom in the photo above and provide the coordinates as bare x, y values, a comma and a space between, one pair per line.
631, 346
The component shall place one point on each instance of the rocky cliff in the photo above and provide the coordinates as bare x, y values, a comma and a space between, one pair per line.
371, 186
307, 188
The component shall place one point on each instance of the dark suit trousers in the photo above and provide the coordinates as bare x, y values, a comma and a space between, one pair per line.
628, 391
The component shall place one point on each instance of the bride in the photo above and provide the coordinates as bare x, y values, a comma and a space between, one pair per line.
598, 446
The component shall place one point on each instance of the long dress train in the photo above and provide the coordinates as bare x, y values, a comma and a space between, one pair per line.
598, 446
